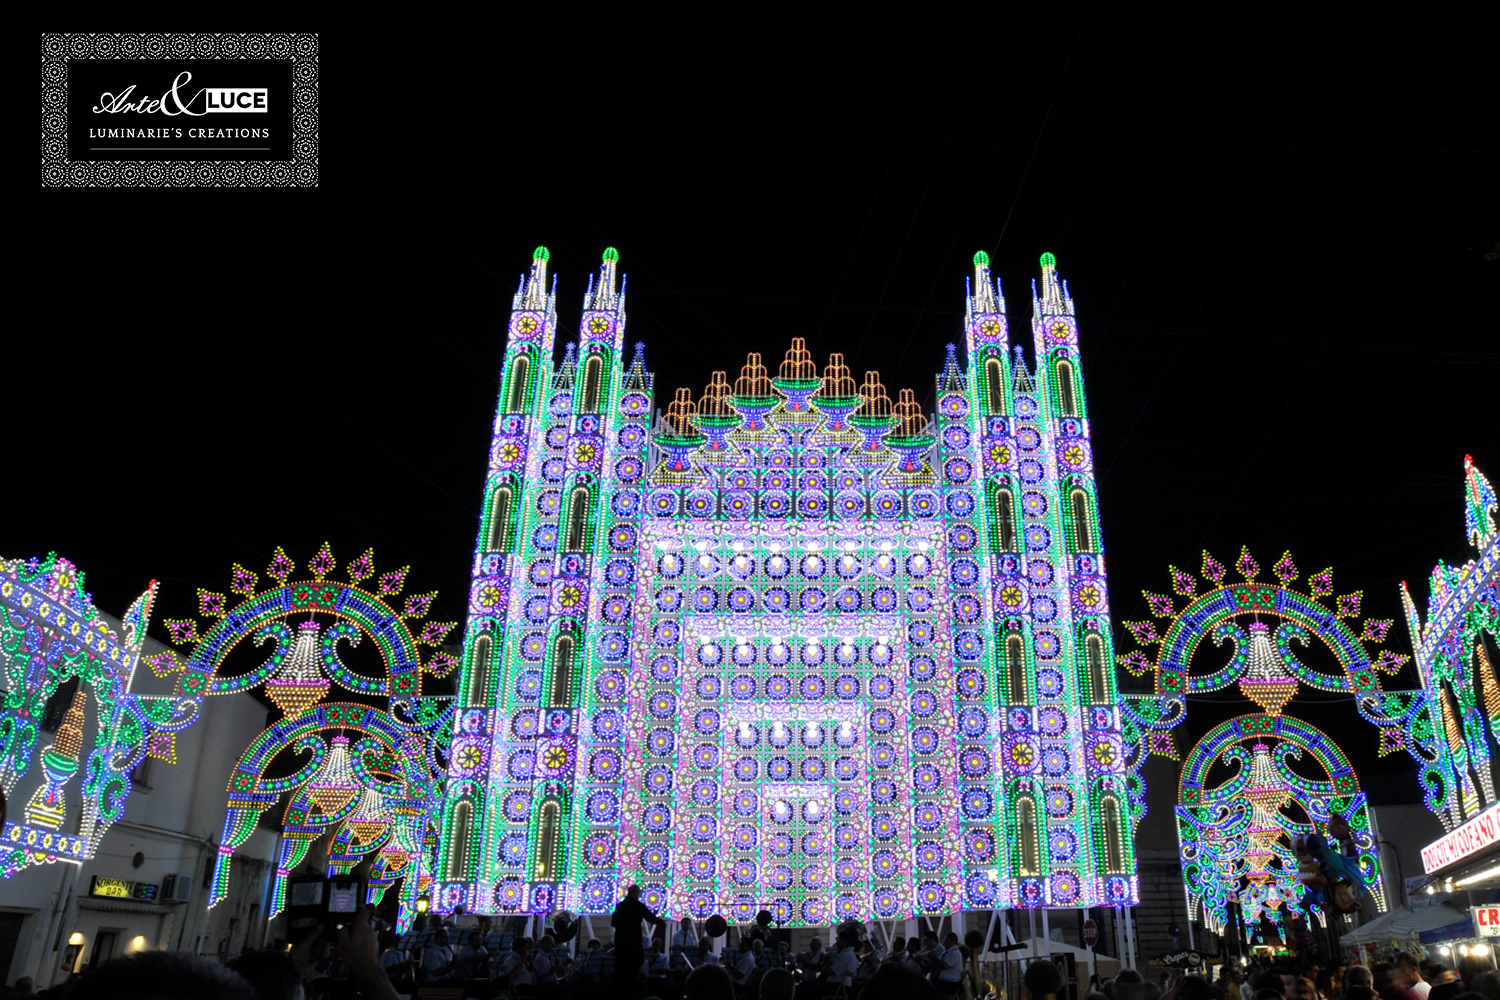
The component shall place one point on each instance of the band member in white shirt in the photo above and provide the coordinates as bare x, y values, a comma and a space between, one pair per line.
811, 960
951, 967
846, 962
684, 936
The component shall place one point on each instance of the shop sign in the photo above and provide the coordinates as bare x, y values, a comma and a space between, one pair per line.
1486, 921
106, 885
1481, 832
146, 891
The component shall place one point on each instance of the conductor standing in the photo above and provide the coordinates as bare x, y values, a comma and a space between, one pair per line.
630, 951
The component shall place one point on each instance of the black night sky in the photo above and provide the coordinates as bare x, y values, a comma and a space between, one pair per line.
1273, 227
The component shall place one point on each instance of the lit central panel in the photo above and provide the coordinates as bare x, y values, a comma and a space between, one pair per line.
791, 735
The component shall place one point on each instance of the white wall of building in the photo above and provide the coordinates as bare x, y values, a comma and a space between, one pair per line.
173, 822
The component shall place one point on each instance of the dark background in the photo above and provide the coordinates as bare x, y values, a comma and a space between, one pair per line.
1273, 223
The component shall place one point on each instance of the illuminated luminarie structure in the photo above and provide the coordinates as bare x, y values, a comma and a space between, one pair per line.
790, 644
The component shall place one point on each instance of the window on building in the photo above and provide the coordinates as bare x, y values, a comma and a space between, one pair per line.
546, 843
1015, 669
479, 668
1093, 649
994, 386
1082, 536
518, 371
578, 508
593, 371
562, 669
1114, 847
499, 518
1065, 395
1028, 853
1005, 521
458, 842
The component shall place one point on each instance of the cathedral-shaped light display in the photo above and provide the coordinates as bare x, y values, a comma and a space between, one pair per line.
788, 643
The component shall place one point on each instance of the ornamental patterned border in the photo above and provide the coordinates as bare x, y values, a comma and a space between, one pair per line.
59, 171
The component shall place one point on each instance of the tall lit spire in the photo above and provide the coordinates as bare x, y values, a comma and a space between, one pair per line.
602, 293
1480, 506
1054, 296
985, 295
533, 291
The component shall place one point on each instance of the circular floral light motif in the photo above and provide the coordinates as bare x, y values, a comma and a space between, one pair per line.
882, 755
517, 806
1105, 753
521, 764
1047, 644
779, 769
778, 687
882, 720
918, 566
813, 687
668, 599
705, 792
929, 856
607, 724
513, 848
524, 723
627, 470
922, 668
602, 806
1089, 596
744, 654
702, 864
663, 704
529, 684
920, 633
710, 654
1043, 609
739, 504
999, 454
655, 858
744, 872
780, 844
812, 654
1021, 754
659, 779
744, 837
978, 803
707, 721
924, 739
926, 777
741, 687
974, 762
885, 903
746, 736
779, 876
883, 826
705, 756
931, 896
883, 791
812, 600
746, 769
1049, 682
746, 803
973, 722
885, 864
923, 703
814, 845
968, 645
1064, 887
1074, 456
1063, 845
1059, 802
537, 609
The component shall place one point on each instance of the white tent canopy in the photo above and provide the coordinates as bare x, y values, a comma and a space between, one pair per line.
1103, 966
1403, 923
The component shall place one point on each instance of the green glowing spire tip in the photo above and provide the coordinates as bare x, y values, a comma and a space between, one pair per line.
1048, 260
611, 254
981, 259
540, 253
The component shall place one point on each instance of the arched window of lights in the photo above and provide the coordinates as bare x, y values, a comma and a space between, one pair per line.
1114, 847
479, 667
1093, 654
563, 652
1028, 852
593, 373
578, 509
458, 842
546, 842
1005, 521
1065, 395
994, 386
1083, 536
499, 518
519, 369
1015, 669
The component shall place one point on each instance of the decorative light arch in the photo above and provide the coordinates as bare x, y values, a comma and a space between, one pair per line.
1238, 836
52, 635
373, 774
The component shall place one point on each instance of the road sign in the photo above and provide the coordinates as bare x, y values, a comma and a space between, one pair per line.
1090, 933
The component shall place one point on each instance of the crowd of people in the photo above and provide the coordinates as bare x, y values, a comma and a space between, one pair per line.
463, 954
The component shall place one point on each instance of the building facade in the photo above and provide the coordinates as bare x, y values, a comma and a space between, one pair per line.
788, 644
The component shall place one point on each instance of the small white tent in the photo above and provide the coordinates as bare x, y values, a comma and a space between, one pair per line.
1104, 966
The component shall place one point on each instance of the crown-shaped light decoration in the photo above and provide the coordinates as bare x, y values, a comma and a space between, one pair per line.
837, 396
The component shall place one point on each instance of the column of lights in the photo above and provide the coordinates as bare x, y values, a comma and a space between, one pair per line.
1455, 667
